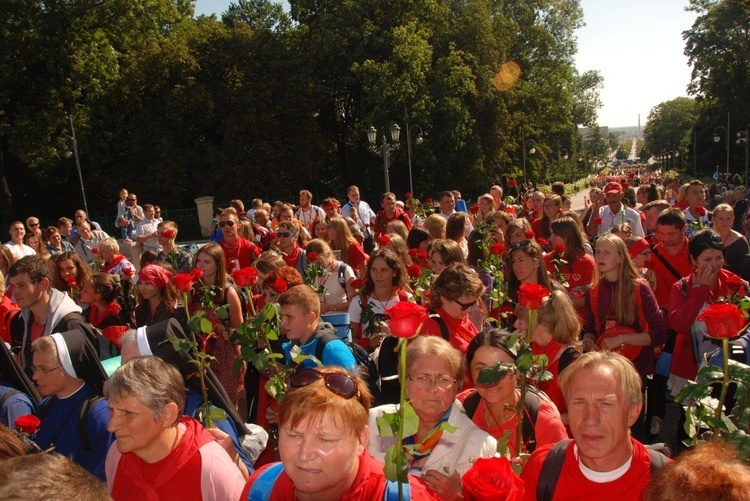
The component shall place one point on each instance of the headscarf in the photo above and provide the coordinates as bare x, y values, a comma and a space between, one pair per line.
155, 275
79, 358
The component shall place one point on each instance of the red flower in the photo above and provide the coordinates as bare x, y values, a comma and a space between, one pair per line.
625, 186
168, 234
529, 234
631, 175
530, 296
512, 183
541, 241
245, 277
273, 235
184, 281
129, 271
414, 270
357, 283
384, 240
279, 285
406, 318
700, 210
735, 285
474, 209
723, 320
95, 250
598, 220
28, 423
407, 195
312, 256
509, 209
422, 255
197, 274
497, 248
560, 248
428, 200
492, 478
72, 282
413, 253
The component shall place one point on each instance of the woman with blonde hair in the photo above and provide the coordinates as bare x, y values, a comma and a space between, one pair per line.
398, 228
455, 229
341, 239
435, 226
486, 209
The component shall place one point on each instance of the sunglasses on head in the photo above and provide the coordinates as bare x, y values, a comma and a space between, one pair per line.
342, 385
464, 306
226, 223
518, 245
286, 235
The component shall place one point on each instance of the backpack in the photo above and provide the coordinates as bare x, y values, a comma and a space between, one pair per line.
368, 371
534, 396
553, 465
83, 417
264, 482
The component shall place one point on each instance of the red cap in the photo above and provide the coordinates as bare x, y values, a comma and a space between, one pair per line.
613, 188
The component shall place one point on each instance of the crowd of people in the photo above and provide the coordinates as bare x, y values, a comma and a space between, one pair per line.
91, 341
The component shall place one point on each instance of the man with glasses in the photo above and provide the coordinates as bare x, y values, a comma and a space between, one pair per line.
16, 246
238, 250
129, 216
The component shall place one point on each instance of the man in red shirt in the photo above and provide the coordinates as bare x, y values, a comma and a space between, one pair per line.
603, 393
390, 212
238, 251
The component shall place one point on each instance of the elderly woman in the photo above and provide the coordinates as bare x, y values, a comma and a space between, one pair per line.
736, 249
493, 407
434, 375
323, 436
159, 453
115, 263
453, 295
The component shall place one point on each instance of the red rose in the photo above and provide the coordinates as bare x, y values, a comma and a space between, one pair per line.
95, 250
428, 200
406, 318
509, 209
735, 285
560, 248
184, 281
407, 195
27, 423
413, 253
541, 241
723, 320
72, 282
474, 209
384, 240
512, 183
700, 210
598, 220
414, 270
492, 478
129, 271
422, 255
530, 296
245, 277
497, 248
357, 283
312, 256
273, 235
625, 186
168, 234
529, 234
279, 285
197, 274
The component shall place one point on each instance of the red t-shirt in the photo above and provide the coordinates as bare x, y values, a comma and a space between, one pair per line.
664, 277
548, 428
382, 220
460, 331
357, 259
536, 227
368, 485
574, 486
240, 254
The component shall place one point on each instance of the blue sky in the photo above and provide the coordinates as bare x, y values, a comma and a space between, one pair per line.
636, 45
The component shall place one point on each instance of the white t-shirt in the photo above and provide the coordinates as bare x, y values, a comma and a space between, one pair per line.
626, 215
335, 294
146, 227
20, 250
378, 309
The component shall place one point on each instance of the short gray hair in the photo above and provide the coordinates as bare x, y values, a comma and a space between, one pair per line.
621, 367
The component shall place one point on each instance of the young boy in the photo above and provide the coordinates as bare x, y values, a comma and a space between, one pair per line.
122, 206
302, 326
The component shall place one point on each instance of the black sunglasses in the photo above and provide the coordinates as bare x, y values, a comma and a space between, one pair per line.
342, 385
33, 225
226, 223
464, 306
285, 235
518, 245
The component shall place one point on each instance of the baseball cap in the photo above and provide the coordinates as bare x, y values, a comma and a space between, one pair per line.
613, 188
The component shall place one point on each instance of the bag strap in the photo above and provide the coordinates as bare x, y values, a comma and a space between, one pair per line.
531, 408
7, 395
657, 460
264, 482
666, 263
323, 340
342, 278
441, 323
83, 419
551, 469
471, 403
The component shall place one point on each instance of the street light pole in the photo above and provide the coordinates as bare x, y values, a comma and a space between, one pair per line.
717, 139
742, 137
78, 163
385, 148
419, 140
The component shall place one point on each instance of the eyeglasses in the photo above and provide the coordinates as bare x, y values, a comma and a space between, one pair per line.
43, 371
425, 381
464, 306
518, 245
342, 385
286, 235
226, 223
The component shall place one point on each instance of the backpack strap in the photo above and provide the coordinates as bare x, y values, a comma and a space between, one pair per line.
7, 395
83, 419
323, 340
44, 407
532, 401
471, 403
551, 469
264, 482
391, 491
342, 278
441, 323
594, 304
568, 356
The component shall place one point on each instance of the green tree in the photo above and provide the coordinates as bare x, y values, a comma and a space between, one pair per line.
669, 126
260, 15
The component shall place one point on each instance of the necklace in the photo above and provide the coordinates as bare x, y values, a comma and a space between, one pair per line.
489, 418
383, 303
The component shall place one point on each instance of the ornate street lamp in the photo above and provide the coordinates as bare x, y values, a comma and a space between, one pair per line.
717, 139
385, 148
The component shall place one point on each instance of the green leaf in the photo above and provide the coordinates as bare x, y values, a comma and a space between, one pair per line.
693, 391
411, 420
710, 373
391, 470
492, 374
387, 424
181, 345
217, 414
223, 312
525, 359
205, 326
